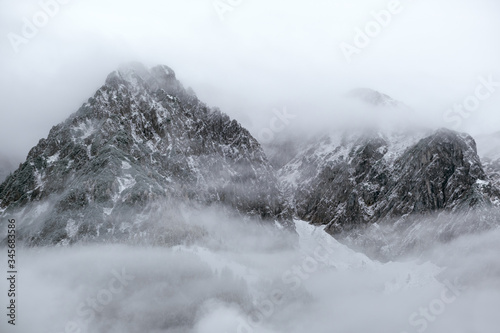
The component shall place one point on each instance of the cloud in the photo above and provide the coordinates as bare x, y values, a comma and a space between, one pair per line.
262, 56
242, 278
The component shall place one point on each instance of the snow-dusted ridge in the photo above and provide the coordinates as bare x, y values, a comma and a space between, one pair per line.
140, 141
348, 179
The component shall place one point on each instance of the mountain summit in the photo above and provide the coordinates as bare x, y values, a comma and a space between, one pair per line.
374, 98
141, 140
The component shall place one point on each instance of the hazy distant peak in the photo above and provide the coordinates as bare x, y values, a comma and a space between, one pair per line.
373, 97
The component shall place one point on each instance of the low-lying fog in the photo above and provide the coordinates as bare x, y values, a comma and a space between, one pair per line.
244, 278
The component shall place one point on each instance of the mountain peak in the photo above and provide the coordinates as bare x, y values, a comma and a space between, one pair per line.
137, 75
136, 68
373, 97
141, 143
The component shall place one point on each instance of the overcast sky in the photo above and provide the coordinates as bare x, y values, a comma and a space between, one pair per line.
250, 58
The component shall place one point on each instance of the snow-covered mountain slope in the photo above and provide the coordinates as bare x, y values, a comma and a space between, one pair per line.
352, 178
140, 140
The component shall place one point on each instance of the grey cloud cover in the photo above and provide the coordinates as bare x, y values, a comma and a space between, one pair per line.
263, 55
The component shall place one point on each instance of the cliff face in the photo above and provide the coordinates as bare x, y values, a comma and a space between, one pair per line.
142, 138
352, 179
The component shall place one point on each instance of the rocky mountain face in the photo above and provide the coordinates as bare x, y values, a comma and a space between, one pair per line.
120, 167
140, 140
356, 178
492, 169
